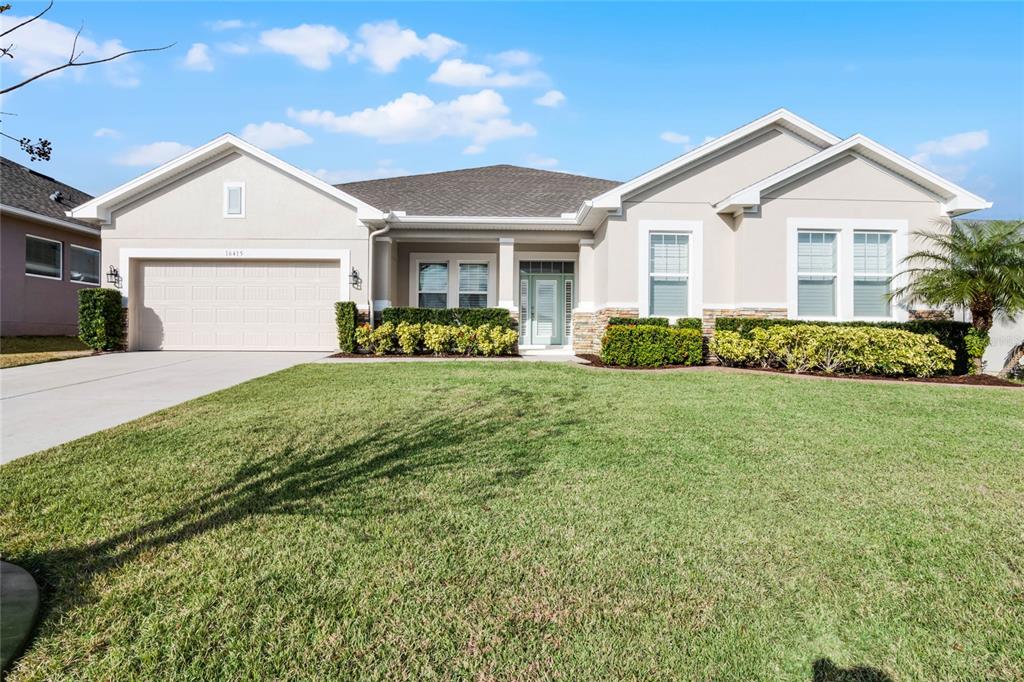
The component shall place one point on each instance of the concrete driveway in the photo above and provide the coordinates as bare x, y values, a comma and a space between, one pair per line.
55, 402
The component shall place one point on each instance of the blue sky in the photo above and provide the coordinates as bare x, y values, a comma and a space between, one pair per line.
354, 91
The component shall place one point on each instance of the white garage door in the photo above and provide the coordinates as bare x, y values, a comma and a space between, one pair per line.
238, 305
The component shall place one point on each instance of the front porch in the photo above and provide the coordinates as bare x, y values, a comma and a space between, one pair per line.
542, 279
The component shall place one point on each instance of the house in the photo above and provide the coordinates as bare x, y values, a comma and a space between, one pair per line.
46, 257
229, 247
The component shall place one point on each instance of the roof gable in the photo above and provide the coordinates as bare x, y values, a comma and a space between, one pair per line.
782, 118
955, 199
99, 209
493, 191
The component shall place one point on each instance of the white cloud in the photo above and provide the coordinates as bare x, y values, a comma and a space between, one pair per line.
234, 48
675, 138
43, 44
198, 58
538, 161
474, 149
269, 135
952, 146
107, 132
312, 45
229, 24
384, 169
480, 117
151, 154
515, 58
469, 75
551, 98
385, 44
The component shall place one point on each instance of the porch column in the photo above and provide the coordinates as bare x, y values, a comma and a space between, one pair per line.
383, 273
585, 276
506, 273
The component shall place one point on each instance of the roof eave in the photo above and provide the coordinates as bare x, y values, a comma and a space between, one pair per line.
48, 220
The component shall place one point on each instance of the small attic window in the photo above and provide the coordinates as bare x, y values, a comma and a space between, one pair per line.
234, 199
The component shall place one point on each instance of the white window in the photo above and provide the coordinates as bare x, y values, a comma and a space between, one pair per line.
44, 257
234, 200
816, 274
872, 273
473, 279
669, 273
85, 265
432, 285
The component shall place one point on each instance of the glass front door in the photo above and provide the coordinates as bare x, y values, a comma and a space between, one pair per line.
546, 299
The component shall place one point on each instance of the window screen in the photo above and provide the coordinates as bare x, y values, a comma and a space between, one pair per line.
816, 278
669, 268
872, 272
473, 285
42, 257
85, 265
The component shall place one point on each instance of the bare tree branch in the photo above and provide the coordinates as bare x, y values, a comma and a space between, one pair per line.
72, 63
27, 21
74, 44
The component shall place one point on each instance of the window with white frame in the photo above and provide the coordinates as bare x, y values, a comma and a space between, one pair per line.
234, 200
44, 257
85, 265
872, 274
473, 278
669, 273
432, 285
816, 273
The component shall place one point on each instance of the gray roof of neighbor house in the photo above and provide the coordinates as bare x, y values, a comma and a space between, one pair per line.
503, 190
30, 190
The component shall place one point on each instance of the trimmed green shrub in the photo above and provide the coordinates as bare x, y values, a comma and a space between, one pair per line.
101, 319
411, 338
637, 321
651, 346
346, 316
835, 349
690, 323
950, 333
468, 317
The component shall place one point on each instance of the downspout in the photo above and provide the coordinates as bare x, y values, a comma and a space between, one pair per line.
369, 267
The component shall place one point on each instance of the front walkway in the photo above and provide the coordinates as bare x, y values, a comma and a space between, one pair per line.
45, 405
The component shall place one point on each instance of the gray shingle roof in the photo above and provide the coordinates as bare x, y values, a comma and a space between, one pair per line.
30, 190
488, 191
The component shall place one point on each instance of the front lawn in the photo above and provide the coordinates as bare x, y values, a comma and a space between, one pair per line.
16, 351
529, 520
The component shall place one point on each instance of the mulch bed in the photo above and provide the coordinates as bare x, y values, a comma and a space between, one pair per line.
963, 380
446, 356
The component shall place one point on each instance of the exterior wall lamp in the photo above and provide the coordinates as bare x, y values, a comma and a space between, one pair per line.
114, 277
355, 280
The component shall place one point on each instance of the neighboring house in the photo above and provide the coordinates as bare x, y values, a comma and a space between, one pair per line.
229, 247
45, 256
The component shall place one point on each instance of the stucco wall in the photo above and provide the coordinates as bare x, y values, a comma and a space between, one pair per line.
32, 306
280, 213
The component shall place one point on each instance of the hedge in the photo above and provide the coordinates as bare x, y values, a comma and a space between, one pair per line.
651, 346
835, 349
410, 338
468, 317
950, 334
681, 323
101, 319
346, 315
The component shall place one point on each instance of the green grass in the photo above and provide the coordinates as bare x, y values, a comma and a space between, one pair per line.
525, 521
30, 350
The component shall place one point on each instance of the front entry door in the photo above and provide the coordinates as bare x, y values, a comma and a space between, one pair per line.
546, 316
546, 301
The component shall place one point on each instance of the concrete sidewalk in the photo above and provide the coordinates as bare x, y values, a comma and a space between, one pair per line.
52, 403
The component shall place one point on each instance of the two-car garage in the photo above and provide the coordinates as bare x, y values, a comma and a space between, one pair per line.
236, 304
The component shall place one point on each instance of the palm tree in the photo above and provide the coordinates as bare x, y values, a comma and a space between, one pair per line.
972, 264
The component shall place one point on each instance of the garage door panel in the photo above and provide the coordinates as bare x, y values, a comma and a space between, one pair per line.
238, 305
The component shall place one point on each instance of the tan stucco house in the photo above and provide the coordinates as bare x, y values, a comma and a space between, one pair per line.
228, 247
47, 257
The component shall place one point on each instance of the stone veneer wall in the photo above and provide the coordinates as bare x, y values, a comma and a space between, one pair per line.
588, 327
931, 314
710, 314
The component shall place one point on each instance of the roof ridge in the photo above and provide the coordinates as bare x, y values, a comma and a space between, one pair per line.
470, 169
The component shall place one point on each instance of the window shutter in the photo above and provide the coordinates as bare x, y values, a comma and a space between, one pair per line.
524, 305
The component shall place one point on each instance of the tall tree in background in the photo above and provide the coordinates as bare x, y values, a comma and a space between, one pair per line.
41, 148
977, 265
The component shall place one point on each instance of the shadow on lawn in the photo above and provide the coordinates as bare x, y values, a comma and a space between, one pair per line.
328, 483
824, 670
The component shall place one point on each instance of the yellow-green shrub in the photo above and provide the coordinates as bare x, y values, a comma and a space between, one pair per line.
835, 349
383, 339
410, 335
